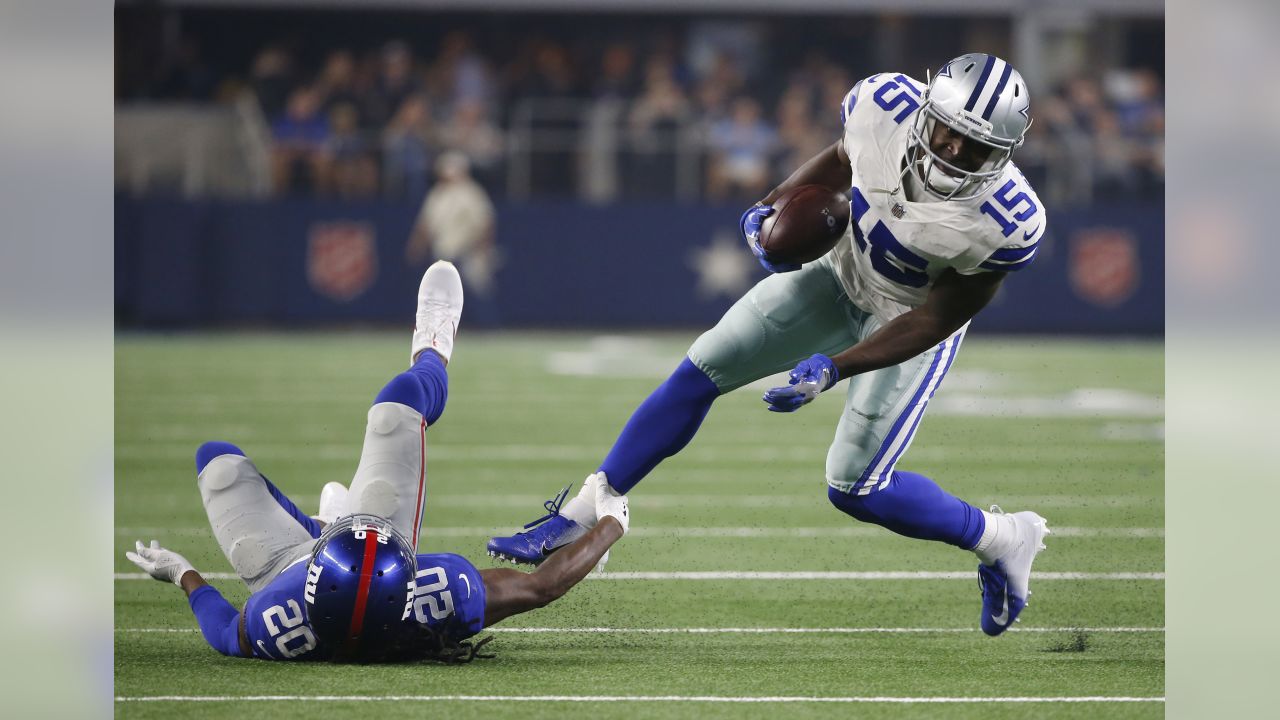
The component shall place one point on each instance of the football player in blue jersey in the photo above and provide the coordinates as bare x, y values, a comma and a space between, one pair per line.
349, 584
940, 216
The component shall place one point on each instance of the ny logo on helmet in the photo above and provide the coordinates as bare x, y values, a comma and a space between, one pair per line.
313, 579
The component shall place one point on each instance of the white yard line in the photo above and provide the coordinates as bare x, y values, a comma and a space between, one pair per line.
859, 531
789, 575
747, 630
532, 503
277, 451
632, 699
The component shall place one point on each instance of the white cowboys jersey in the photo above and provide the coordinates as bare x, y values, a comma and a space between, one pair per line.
894, 249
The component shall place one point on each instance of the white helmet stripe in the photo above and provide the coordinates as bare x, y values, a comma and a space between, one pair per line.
982, 83
1004, 79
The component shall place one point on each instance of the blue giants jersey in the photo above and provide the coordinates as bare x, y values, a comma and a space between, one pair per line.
448, 596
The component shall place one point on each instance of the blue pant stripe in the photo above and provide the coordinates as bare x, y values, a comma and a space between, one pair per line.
955, 350
902, 419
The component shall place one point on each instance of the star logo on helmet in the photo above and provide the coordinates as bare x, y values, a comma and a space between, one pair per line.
945, 71
1025, 112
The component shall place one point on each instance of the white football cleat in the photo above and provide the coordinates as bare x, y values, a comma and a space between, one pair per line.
333, 502
1005, 583
439, 311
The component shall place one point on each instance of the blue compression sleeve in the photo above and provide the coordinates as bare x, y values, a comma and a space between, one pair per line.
423, 387
663, 424
914, 506
219, 620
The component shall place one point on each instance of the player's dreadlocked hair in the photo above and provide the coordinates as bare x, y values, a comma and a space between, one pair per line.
419, 642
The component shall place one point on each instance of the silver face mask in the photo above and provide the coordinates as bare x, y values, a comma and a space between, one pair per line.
984, 99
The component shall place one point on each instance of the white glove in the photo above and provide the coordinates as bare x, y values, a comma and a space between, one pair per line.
161, 564
609, 502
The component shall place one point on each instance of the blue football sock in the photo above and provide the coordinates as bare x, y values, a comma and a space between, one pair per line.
913, 505
663, 424
423, 387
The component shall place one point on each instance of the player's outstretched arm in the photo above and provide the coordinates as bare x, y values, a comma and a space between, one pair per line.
952, 301
511, 592
218, 619
829, 168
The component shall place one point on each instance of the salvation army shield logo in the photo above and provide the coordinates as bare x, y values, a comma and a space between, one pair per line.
1104, 265
342, 259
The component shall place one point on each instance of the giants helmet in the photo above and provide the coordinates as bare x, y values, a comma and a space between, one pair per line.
983, 98
361, 574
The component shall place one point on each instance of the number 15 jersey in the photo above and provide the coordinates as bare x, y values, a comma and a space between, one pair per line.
895, 248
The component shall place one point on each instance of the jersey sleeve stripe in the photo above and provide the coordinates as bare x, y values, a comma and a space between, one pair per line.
858, 205
850, 100
1013, 254
1000, 266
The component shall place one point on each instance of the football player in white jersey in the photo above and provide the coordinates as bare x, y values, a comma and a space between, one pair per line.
940, 216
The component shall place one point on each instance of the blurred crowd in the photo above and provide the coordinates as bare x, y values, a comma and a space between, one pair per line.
363, 123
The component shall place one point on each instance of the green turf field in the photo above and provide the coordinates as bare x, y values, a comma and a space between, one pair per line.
1068, 428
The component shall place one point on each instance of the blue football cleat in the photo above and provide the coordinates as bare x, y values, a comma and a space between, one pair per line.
550, 533
1005, 584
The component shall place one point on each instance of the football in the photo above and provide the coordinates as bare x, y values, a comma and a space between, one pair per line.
805, 224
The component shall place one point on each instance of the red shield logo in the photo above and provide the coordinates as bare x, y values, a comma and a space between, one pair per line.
1104, 265
342, 259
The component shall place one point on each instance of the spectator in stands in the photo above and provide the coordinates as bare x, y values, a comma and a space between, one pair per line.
299, 135
459, 74
395, 83
337, 81
1091, 139
271, 79
470, 132
798, 138
740, 149
616, 80
654, 125
1135, 95
350, 170
1113, 158
186, 75
407, 149
456, 223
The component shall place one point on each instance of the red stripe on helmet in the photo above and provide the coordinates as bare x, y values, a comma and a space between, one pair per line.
362, 592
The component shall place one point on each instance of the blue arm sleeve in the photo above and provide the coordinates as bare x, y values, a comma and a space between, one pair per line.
219, 620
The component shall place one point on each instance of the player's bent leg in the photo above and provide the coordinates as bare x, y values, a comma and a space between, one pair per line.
259, 530
390, 481
882, 411
663, 424
915, 506
782, 319
212, 449
779, 322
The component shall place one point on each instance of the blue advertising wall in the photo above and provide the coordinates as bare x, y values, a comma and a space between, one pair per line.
307, 262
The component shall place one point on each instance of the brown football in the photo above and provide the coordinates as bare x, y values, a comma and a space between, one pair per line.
806, 223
